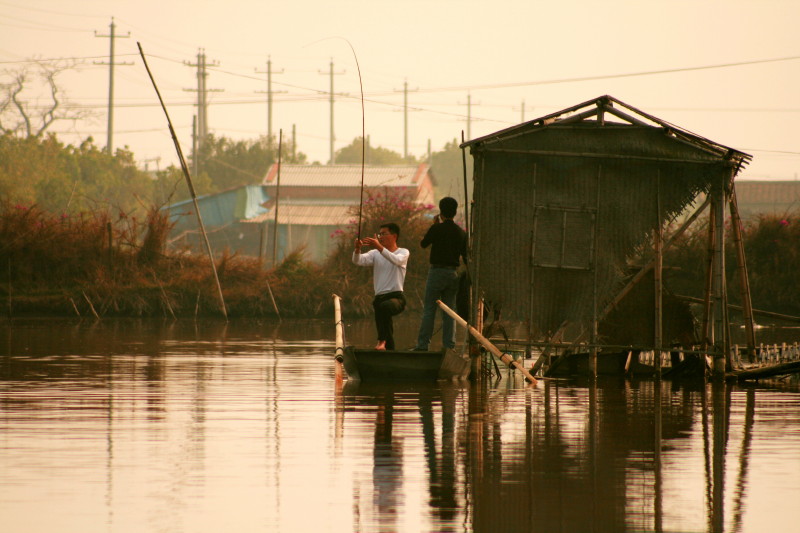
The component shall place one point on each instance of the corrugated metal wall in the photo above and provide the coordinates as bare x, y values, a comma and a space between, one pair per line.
548, 226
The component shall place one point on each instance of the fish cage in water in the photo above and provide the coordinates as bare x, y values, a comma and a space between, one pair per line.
564, 206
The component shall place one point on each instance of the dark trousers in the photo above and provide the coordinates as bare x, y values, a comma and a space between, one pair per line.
386, 306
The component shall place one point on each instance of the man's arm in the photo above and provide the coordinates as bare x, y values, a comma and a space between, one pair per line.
398, 258
427, 240
359, 258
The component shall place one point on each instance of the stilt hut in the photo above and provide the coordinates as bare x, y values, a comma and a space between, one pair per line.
563, 202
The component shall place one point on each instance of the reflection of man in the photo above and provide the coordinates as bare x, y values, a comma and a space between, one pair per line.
448, 243
388, 263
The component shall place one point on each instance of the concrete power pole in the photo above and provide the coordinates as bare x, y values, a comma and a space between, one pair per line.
111, 37
405, 118
269, 72
333, 138
202, 100
522, 110
469, 116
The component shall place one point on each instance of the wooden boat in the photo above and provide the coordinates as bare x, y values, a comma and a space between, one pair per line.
384, 365
411, 365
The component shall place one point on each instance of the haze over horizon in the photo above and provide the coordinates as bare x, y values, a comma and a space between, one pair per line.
726, 71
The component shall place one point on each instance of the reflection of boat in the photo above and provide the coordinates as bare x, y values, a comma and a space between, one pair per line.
385, 365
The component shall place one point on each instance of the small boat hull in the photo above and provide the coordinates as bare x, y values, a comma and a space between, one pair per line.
384, 365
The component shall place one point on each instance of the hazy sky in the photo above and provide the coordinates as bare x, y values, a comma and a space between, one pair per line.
493, 54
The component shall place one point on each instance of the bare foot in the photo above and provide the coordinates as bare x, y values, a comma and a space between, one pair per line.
381, 345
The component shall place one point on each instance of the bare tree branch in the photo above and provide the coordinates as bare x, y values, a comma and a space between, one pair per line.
23, 101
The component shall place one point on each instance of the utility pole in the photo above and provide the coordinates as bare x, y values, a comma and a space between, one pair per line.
522, 110
202, 100
269, 92
195, 164
405, 117
111, 37
333, 138
469, 116
294, 143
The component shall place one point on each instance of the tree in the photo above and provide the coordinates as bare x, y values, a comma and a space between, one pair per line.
31, 99
374, 155
228, 163
448, 171
62, 179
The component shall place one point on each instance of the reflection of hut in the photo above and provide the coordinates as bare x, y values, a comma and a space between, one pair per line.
563, 202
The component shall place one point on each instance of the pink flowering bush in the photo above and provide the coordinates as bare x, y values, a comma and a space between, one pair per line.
354, 283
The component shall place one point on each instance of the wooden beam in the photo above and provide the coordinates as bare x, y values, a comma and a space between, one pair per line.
487, 344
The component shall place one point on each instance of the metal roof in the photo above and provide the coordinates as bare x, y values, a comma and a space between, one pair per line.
602, 111
307, 215
347, 175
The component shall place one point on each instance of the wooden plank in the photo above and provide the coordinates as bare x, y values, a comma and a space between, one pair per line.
486, 344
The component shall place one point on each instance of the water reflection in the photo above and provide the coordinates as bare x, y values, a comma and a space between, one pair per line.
182, 426
405, 411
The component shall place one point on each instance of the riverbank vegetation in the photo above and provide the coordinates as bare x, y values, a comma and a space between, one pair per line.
96, 263
104, 264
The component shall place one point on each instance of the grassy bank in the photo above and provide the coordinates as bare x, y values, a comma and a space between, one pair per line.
117, 265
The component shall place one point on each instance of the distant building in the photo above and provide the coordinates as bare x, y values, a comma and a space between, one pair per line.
223, 215
767, 197
314, 201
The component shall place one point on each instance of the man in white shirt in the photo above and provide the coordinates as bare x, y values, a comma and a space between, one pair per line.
388, 262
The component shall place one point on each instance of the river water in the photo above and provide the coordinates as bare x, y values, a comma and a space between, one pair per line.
156, 426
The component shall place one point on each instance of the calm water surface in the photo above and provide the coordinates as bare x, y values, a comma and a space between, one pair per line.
146, 426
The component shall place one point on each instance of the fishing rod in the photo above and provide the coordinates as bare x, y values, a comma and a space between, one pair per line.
363, 128
363, 138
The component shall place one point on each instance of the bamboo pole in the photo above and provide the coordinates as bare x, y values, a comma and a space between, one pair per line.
189, 184
91, 307
338, 355
277, 202
657, 277
718, 281
709, 279
595, 317
531, 264
744, 281
487, 344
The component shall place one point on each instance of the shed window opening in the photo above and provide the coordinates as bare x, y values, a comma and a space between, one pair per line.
564, 238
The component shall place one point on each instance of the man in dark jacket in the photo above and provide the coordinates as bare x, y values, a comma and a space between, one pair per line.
448, 244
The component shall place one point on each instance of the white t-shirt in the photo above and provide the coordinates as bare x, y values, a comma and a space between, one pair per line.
388, 268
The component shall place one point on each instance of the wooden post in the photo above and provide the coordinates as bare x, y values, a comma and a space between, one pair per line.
531, 265
706, 328
720, 339
595, 318
510, 362
657, 236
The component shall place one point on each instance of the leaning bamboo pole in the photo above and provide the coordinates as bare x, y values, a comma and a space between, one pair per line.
644, 270
744, 282
487, 344
189, 184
